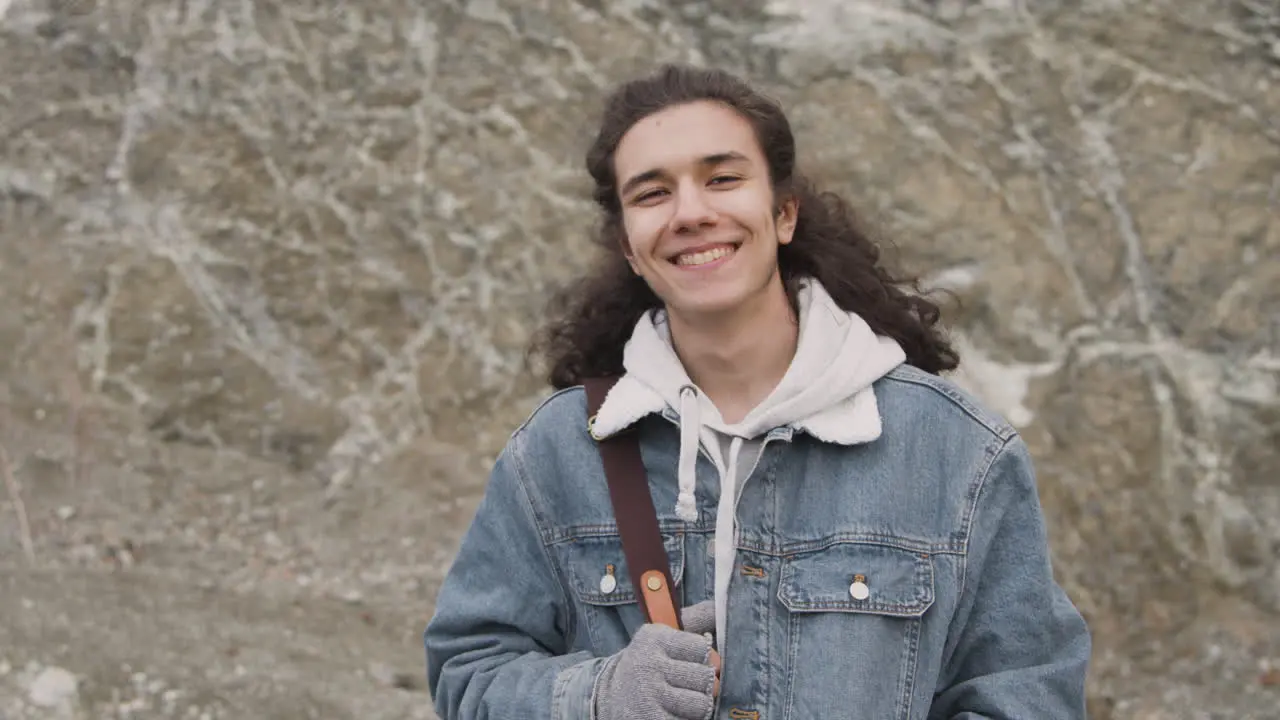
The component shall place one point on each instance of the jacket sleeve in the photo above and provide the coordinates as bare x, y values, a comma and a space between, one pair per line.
1017, 647
497, 643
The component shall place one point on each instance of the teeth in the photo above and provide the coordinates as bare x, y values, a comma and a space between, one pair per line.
701, 258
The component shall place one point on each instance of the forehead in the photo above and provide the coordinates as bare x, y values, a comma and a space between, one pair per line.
679, 136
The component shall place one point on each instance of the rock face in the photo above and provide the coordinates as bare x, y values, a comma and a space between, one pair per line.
267, 271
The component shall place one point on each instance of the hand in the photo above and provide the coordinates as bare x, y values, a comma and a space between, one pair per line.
701, 619
664, 673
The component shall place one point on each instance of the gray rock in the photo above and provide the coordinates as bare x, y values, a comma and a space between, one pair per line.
53, 687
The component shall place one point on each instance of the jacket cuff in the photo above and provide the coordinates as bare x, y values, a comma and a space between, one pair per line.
573, 696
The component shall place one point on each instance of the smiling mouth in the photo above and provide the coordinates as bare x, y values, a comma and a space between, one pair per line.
704, 257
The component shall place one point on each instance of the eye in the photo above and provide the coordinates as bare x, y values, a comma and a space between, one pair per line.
648, 195
724, 179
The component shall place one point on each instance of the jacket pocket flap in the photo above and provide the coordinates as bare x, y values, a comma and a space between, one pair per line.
858, 578
590, 560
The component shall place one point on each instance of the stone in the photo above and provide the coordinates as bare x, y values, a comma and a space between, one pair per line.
53, 687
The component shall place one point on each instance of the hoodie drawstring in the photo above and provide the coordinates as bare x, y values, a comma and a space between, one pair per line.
726, 540
690, 425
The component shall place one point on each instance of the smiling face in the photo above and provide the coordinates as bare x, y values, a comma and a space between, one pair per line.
698, 210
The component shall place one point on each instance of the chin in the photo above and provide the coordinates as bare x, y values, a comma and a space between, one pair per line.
707, 301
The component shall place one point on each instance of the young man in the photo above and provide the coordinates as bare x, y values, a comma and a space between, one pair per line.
853, 535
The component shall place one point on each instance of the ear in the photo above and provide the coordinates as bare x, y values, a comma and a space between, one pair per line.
786, 218
627, 253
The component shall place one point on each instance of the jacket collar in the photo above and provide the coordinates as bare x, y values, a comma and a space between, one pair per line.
851, 422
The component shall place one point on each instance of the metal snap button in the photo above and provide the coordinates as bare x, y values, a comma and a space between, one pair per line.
608, 583
859, 590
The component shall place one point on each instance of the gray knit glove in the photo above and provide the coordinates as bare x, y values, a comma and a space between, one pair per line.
664, 674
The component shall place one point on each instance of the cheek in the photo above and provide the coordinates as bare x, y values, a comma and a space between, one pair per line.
642, 230
751, 209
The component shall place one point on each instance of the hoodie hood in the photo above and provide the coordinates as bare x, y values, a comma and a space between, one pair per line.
826, 392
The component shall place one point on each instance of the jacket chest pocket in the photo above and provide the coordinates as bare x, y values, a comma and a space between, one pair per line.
600, 582
853, 616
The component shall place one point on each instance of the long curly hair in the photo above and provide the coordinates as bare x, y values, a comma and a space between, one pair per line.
590, 320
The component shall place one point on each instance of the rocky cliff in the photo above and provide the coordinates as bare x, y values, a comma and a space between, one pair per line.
267, 271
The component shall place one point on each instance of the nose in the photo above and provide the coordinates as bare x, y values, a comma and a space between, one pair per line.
691, 211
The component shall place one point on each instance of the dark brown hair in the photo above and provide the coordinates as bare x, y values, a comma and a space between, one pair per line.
591, 320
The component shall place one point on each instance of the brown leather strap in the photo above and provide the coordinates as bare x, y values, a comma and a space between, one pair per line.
646, 556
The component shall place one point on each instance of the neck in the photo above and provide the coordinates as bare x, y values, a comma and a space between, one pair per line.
737, 358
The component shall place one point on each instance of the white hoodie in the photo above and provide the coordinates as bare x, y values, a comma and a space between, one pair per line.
826, 392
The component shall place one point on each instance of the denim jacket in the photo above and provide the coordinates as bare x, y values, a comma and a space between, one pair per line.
908, 577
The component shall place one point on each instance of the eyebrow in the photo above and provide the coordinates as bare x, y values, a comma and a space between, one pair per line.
706, 161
